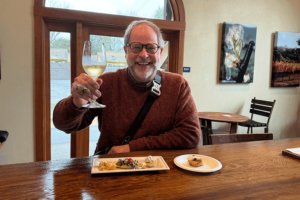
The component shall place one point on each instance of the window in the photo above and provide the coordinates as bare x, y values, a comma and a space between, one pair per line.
82, 25
60, 82
151, 9
115, 60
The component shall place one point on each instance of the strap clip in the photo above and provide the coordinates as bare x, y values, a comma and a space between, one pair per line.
155, 90
125, 140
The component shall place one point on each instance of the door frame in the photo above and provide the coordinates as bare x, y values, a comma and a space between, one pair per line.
81, 24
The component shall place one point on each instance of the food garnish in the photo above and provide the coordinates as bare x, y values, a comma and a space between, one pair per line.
150, 161
195, 161
127, 163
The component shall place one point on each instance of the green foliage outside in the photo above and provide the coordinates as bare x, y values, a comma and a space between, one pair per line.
114, 44
60, 43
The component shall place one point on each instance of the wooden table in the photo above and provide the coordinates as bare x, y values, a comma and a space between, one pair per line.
251, 170
234, 119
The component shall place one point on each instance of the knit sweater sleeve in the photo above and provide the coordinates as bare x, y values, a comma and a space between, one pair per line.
68, 118
186, 132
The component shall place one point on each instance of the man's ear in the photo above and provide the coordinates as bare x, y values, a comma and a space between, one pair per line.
161, 50
125, 50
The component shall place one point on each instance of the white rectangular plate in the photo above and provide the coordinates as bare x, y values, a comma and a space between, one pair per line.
160, 165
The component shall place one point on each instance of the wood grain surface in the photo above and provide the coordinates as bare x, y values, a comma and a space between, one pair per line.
223, 117
231, 138
251, 170
234, 119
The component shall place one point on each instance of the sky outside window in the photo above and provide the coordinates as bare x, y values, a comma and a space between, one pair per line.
140, 8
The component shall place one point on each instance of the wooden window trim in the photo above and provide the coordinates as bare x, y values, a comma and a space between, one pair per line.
80, 25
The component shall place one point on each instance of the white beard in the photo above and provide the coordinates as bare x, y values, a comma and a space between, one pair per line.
142, 74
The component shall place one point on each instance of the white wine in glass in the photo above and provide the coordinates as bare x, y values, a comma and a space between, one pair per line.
94, 65
94, 70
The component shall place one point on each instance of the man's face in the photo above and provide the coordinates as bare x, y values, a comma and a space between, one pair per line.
143, 65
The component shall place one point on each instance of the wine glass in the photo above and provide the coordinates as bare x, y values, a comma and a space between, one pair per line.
94, 63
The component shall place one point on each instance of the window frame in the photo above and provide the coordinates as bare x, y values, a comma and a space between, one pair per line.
81, 24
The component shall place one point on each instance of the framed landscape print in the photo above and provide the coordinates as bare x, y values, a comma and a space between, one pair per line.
286, 60
237, 53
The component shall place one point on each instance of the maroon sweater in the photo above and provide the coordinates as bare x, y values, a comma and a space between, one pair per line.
171, 123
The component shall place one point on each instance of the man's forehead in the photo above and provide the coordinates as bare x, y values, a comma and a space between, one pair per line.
143, 30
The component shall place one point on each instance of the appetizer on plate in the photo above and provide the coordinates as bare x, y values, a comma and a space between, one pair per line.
195, 161
127, 163
150, 161
105, 165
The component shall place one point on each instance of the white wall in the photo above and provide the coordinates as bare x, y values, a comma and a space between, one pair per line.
204, 20
17, 80
202, 51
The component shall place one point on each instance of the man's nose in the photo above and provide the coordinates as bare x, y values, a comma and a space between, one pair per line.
143, 53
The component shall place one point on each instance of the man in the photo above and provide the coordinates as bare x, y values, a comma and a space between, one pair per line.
171, 123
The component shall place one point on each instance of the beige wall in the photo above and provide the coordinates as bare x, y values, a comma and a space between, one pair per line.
17, 84
204, 20
202, 51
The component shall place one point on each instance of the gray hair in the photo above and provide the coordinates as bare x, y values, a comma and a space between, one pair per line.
160, 39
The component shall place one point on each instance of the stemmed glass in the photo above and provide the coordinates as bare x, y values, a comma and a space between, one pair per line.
94, 65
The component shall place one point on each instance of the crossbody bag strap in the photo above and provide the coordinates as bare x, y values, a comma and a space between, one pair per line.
152, 96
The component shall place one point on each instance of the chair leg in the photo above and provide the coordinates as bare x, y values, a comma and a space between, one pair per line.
266, 130
205, 137
205, 132
251, 129
248, 129
208, 138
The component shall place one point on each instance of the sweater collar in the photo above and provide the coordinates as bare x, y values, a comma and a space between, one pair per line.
147, 84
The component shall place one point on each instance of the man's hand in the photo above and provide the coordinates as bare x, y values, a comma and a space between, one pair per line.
120, 149
80, 97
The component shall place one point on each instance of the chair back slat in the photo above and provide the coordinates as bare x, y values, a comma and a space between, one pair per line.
258, 107
268, 103
231, 138
262, 108
257, 112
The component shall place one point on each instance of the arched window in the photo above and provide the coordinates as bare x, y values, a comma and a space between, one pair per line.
151, 9
77, 26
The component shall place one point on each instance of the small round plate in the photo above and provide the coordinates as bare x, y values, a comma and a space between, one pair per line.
210, 164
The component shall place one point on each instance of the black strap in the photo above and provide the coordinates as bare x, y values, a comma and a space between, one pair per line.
152, 96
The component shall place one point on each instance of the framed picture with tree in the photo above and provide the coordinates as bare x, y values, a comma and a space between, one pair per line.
286, 60
237, 53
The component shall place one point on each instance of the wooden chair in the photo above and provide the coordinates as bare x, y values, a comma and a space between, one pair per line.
3, 137
262, 108
206, 131
231, 138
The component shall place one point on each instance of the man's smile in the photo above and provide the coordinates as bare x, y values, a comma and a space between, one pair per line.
143, 64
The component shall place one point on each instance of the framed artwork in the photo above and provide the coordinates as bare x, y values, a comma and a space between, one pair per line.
286, 60
237, 53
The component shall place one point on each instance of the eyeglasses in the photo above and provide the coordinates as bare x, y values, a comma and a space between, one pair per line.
137, 47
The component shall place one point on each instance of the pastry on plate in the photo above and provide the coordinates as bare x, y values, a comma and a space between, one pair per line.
195, 160
150, 161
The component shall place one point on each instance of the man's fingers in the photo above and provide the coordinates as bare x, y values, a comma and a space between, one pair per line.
86, 88
119, 149
88, 81
99, 81
81, 90
93, 84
